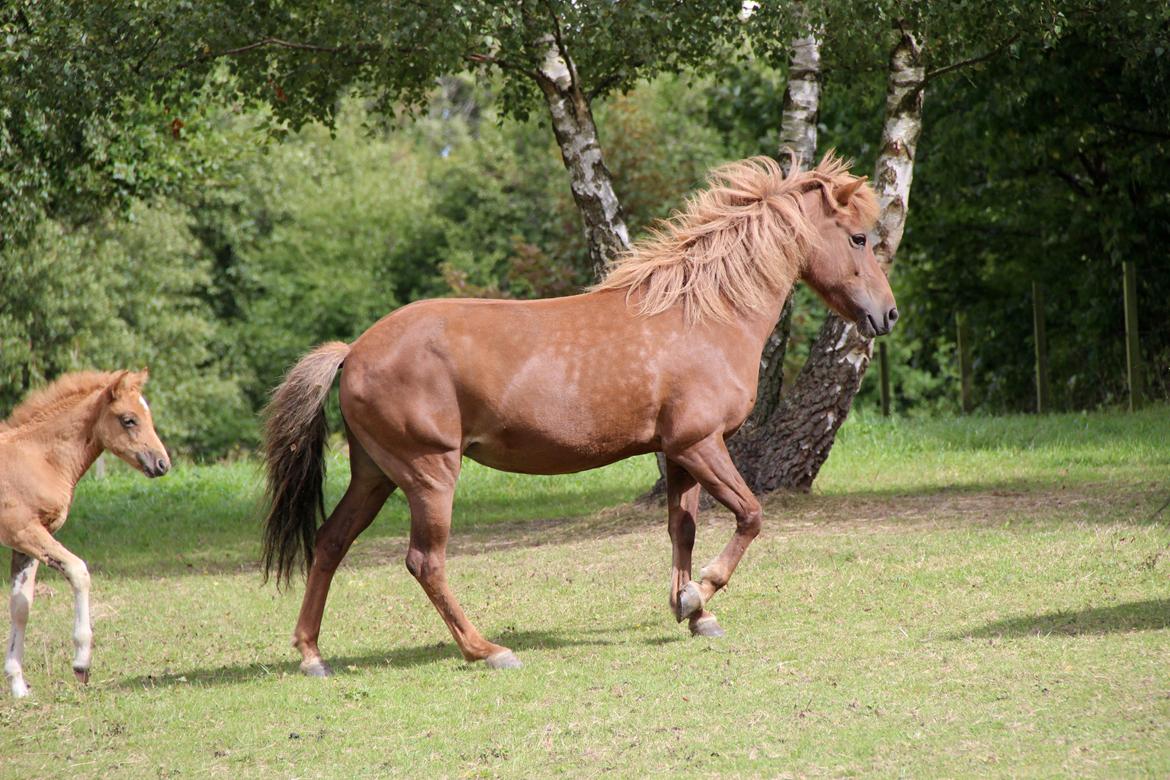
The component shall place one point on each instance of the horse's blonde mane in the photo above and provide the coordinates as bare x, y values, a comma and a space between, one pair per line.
736, 243
65, 391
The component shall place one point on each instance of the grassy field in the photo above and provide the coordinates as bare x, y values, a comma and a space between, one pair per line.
983, 596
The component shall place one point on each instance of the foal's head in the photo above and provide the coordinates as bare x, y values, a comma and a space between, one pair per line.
125, 427
842, 267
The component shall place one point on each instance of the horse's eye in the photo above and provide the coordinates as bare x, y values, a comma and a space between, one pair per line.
857, 239
128, 422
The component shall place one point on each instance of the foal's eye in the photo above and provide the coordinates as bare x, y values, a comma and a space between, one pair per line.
128, 422
857, 239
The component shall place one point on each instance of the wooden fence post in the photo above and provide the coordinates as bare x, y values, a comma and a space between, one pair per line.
963, 344
1042, 394
884, 365
1133, 353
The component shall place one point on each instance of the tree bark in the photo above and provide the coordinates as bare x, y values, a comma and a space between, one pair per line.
788, 449
589, 178
798, 133
798, 142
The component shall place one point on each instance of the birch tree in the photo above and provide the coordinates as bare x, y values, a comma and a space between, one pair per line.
788, 448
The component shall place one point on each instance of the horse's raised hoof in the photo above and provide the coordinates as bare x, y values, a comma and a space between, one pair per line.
316, 668
690, 601
505, 659
708, 627
82, 675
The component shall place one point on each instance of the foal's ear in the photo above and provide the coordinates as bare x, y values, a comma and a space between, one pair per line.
142, 376
120, 386
846, 191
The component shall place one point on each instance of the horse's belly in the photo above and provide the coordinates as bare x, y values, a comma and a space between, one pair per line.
556, 444
540, 458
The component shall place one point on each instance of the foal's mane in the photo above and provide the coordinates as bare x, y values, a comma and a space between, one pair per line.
64, 392
737, 242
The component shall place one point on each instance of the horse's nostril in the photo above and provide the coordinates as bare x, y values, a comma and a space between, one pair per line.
892, 317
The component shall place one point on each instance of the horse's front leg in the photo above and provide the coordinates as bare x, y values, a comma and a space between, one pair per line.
24, 576
682, 498
710, 464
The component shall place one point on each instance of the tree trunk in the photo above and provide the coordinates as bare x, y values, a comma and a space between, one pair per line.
788, 450
576, 133
798, 133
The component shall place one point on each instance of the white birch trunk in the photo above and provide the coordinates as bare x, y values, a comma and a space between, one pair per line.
576, 133
788, 449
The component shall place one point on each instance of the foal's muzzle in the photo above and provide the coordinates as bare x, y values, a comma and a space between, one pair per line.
153, 465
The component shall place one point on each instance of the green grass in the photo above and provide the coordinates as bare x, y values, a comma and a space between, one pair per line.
964, 597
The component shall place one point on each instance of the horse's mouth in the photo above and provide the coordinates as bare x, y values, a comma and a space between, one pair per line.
870, 327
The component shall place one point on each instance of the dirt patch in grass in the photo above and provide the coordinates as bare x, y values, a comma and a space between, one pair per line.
810, 514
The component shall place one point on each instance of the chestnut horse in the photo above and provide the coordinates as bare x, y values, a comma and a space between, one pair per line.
663, 355
46, 445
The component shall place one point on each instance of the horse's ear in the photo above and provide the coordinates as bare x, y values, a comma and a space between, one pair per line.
143, 376
120, 386
846, 191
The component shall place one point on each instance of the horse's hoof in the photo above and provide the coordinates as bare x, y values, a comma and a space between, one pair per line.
505, 659
20, 690
317, 668
690, 601
82, 675
708, 627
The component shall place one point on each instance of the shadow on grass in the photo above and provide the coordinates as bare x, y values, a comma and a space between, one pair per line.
1149, 615
398, 658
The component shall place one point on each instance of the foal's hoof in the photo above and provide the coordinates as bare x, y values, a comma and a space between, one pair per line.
20, 690
317, 668
505, 659
708, 627
82, 675
690, 601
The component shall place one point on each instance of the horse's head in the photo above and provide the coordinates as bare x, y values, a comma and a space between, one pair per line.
842, 267
125, 427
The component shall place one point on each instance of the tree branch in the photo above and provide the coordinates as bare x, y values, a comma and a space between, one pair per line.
560, 41
487, 59
280, 43
972, 61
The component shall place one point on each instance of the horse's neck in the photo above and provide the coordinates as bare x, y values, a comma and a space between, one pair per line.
757, 327
67, 439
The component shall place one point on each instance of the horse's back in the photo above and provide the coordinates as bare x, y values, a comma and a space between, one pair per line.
544, 386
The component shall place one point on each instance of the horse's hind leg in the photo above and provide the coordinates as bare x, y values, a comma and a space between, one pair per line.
710, 464
368, 490
682, 497
24, 575
39, 543
430, 525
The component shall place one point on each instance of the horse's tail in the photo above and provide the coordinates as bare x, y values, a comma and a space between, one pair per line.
294, 453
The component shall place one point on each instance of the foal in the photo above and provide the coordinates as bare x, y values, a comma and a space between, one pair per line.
46, 445
663, 356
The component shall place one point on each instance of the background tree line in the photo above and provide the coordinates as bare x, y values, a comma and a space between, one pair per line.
150, 217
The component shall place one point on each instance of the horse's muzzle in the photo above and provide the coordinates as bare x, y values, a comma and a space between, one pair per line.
153, 465
870, 326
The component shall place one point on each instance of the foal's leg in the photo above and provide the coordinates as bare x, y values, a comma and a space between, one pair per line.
24, 574
682, 497
710, 464
39, 543
426, 559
